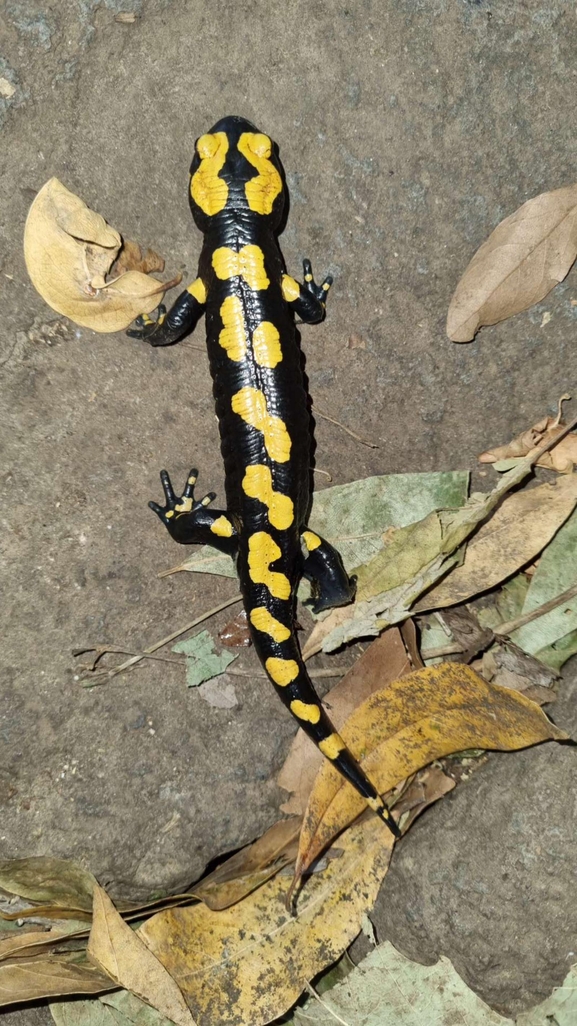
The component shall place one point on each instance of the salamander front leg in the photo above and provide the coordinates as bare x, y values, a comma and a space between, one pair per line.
307, 300
190, 522
180, 319
323, 567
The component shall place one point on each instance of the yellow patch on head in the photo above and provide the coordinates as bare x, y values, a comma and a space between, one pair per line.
282, 671
197, 288
233, 335
304, 711
268, 624
332, 746
208, 191
222, 527
262, 551
290, 288
257, 484
262, 190
311, 540
247, 263
266, 345
250, 404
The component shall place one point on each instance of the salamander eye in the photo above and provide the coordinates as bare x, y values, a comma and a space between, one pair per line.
207, 146
261, 145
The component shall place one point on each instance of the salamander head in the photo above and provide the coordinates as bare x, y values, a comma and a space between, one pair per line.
235, 169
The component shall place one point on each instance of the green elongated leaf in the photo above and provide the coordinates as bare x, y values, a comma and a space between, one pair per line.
354, 516
556, 572
376, 609
557, 654
202, 661
49, 880
507, 604
120, 1008
387, 989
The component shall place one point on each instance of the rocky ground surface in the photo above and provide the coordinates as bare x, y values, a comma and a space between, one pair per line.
407, 131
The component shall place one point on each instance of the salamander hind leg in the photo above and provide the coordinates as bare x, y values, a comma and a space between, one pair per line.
190, 521
307, 300
323, 567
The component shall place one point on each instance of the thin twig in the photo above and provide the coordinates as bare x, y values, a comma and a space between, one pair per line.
337, 671
506, 628
363, 441
327, 1008
109, 674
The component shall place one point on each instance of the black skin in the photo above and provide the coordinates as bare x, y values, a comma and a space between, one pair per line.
239, 530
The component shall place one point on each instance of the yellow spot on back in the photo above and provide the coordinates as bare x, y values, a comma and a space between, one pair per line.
290, 288
311, 540
208, 191
222, 527
262, 190
268, 624
262, 551
304, 711
248, 263
233, 335
250, 404
257, 484
282, 671
266, 345
332, 746
197, 288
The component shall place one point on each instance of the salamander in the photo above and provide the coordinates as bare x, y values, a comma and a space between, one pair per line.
237, 196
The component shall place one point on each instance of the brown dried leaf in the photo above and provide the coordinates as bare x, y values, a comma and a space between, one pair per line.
51, 976
426, 787
235, 634
132, 258
562, 458
384, 660
518, 530
247, 965
251, 867
33, 941
424, 716
69, 250
522, 260
120, 952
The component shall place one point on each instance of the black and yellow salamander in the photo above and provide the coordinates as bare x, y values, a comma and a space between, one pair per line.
237, 196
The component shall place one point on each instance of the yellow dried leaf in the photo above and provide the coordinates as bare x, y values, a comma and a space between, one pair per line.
69, 250
522, 260
421, 717
384, 660
247, 965
119, 952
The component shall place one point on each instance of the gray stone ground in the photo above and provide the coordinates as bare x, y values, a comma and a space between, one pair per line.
407, 130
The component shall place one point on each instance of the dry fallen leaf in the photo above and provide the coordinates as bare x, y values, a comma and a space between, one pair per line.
421, 717
384, 660
236, 634
251, 867
132, 258
69, 250
561, 458
522, 260
120, 952
46, 879
50, 976
248, 964
426, 787
518, 530
35, 941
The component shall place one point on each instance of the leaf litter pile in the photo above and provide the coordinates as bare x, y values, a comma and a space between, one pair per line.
467, 610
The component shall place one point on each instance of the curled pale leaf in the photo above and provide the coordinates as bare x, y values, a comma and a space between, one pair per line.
120, 953
522, 260
47, 879
421, 717
51, 976
69, 250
